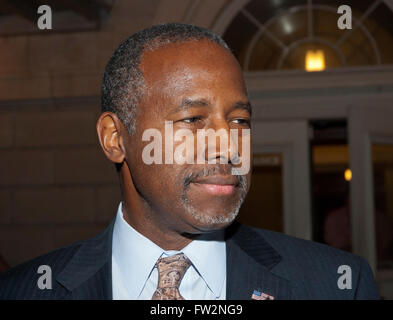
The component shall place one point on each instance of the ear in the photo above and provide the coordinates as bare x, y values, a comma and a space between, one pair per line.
109, 134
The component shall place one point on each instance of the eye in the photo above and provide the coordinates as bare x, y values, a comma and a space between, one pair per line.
191, 119
241, 121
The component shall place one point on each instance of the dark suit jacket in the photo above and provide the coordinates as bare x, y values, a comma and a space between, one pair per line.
279, 265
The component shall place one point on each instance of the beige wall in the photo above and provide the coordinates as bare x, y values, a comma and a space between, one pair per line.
51, 65
56, 186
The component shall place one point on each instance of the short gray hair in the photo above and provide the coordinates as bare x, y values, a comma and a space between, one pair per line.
123, 83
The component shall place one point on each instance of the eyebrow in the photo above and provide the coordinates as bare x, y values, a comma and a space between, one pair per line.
243, 105
188, 103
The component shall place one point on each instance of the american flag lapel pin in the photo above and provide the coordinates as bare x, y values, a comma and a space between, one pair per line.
257, 295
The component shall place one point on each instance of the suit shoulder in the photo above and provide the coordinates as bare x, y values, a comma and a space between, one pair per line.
314, 269
289, 246
17, 282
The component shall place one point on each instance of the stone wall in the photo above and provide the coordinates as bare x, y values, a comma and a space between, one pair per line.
51, 65
56, 186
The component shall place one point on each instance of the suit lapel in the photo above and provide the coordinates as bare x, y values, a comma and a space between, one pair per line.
88, 275
249, 262
250, 259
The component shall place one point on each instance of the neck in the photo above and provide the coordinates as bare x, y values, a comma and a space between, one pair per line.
141, 216
164, 237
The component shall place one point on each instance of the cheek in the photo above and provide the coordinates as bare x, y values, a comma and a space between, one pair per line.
249, 181
160, 184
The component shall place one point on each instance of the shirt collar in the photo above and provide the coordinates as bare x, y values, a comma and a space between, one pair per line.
208, 255
136, 256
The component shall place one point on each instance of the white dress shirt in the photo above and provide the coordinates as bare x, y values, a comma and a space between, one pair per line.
135, 277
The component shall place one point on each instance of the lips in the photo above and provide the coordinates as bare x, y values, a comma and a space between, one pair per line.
217, 185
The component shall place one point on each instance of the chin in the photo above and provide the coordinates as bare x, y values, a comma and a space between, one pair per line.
209, 215
208, 222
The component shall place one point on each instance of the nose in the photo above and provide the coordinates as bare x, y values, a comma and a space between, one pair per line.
221, 146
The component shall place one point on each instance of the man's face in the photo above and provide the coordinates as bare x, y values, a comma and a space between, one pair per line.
196, 85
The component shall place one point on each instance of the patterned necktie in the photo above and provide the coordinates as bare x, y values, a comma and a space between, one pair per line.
170, 273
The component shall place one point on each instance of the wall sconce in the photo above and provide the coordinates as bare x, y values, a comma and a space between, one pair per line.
315, 60
348, 175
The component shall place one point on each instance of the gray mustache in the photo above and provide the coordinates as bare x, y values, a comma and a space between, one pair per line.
214, 170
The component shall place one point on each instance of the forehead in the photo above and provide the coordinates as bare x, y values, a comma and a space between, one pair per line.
195, 65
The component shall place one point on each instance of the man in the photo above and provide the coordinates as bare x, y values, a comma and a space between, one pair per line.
173, 236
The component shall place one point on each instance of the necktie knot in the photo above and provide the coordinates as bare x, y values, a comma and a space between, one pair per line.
170, 273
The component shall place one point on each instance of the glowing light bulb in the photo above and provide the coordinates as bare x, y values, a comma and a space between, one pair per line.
348, 175
315, 60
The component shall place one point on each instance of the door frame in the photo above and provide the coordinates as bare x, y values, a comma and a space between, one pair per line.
290, 138
368, 124
332, 94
